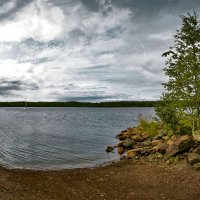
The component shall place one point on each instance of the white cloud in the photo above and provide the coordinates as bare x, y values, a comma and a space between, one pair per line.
36, 20
113, 53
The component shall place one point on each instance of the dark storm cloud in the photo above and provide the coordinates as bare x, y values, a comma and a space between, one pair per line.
8, 86
91, 5
87, 98
148, 8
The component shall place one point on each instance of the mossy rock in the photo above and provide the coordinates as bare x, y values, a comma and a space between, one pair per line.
196, 135
128, 143
109, 149
193, 158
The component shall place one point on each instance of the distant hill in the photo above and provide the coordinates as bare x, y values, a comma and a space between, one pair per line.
80, 104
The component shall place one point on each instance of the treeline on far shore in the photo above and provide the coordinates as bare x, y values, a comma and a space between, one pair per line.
80, 104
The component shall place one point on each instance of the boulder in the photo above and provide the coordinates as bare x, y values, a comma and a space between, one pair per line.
147, 142
145, 151
196, 166
174, 137
131, 154
137, 138
128, 143
155, 142
165, 137
121, 136
193, 158
145, 135
178, 145
169, 142
120, 144
109, 149
158, 137
121, 150
196, 150
161, 148
196, 135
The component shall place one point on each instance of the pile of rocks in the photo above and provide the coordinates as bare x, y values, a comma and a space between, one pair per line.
135, 143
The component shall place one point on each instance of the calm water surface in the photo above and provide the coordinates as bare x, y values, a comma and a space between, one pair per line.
60, 138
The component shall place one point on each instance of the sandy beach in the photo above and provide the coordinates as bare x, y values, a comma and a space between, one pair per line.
127, 179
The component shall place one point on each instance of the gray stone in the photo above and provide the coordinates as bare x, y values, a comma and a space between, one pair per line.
193, 158
128, 143
178, 145
121, 150
109, 149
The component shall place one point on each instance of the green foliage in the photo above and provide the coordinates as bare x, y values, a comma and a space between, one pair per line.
166, 111
180, 102
153, 127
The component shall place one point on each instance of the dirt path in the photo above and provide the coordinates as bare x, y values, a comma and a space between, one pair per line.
125, 180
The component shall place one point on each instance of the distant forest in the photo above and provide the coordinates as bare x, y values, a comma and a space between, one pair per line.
80, 104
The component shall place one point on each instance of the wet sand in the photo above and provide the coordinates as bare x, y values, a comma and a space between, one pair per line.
139, 180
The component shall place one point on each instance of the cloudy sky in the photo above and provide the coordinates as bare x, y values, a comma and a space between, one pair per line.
86, 50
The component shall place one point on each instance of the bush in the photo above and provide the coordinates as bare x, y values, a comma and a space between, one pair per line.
150, 126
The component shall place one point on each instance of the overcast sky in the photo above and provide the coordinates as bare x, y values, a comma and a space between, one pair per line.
86, 50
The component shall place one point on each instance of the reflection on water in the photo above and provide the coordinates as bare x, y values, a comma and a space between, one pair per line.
58, 138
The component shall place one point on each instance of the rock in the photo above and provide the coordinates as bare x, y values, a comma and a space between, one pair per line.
137, 138
145, 135
121, 136
165, 137
145, 151
184, 142
158, 137
128, 143
196, 135
196, 166
193, 158
172, 150
109, 149
180, 144
121, 150
155, 142
169, 142
196, 150
131, 154
162, 148
146, 143
129, 129
120, 144
174, 137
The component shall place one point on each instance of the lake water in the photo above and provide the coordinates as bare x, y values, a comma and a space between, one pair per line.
60, 138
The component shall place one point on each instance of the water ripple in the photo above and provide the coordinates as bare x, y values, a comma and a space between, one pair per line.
58, 138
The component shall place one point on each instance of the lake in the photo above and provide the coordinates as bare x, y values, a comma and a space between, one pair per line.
62, 138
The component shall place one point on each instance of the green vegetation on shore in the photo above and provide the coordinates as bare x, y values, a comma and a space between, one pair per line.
179, 106
80, 104
174, 133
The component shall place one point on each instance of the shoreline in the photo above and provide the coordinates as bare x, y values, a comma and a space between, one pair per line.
105, 163
125, 179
